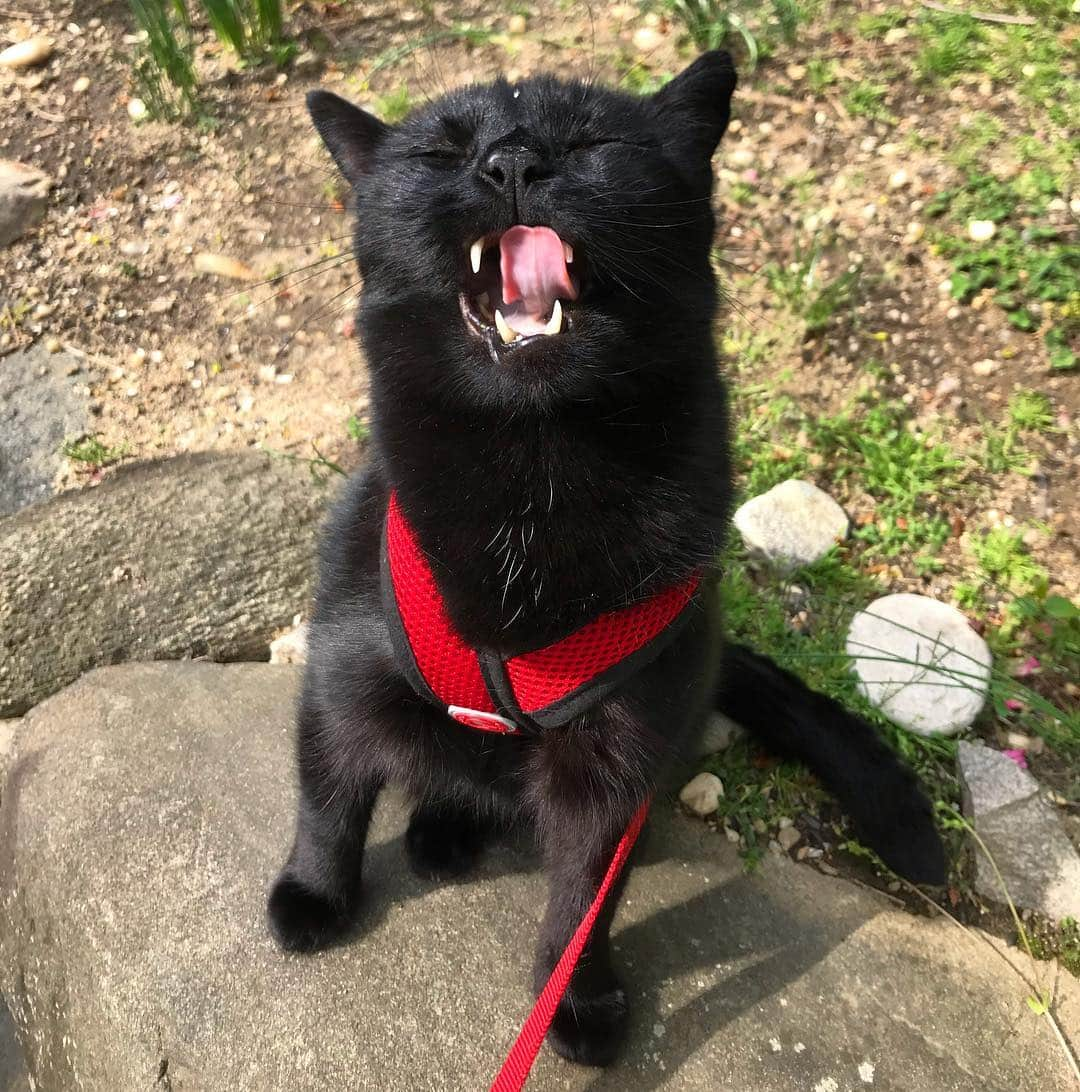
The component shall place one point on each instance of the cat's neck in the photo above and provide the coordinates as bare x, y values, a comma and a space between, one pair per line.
536, 525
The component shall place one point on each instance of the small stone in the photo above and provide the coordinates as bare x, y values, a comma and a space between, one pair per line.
899, 179
26, 54
516, 24
701, 794
137, 110
81, 85
980, 231
218, 265
913, 233
719, 733
793, 524
895, 34
742, 157
789, 838
162, 304
291, 647
646, 39
919, 661
24, 193
827, 869
1036, 859
985, 367
53, 345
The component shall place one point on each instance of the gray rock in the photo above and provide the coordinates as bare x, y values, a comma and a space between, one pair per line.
920, 662
151, 805
24, 193
793, 524
41, 405
1036, 859
13, 1076
202, 555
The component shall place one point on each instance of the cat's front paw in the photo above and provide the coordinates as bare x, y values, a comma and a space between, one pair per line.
590, 1030
302, 920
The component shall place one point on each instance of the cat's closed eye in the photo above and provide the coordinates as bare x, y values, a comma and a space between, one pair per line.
443, 154
584, 144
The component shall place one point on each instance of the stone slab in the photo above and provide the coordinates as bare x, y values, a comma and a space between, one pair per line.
1037, 861
150, 805
200, 555
41, 406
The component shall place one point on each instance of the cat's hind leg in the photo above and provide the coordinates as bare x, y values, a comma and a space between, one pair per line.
445, 839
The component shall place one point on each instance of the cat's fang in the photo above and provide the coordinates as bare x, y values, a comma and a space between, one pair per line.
554, 324
568, 253
503, 327
476, 255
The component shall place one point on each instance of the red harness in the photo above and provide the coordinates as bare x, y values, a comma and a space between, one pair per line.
519, 695
543, 688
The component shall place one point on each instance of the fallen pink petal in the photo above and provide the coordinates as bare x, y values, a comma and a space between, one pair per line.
1018, 757
1030, 665
1013, 704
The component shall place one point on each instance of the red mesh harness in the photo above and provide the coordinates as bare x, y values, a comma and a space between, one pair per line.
539, 689
519, 695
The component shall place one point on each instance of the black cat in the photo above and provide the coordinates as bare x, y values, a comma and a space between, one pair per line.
537, 311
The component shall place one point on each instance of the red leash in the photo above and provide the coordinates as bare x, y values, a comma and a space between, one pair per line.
515, 1070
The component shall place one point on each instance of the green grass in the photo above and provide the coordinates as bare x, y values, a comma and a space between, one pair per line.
394, 105
1003, 449
865, 99
357, 429
951, 44
877, 26
163, 68
820, 74
90, 451
1002, 556
711, 24
1030, 411
1032, 269
800, 286
873, 446
1062, 943
252, 29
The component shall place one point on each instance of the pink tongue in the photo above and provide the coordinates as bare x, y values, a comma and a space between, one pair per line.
534, 269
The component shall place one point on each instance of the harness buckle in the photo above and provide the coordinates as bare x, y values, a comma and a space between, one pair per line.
485, 722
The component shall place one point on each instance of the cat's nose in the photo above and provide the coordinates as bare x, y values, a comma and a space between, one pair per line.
512, 170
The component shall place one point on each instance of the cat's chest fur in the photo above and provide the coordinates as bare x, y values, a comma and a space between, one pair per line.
532, 531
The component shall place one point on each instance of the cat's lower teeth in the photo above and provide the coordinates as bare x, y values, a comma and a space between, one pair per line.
553, 326
503, 327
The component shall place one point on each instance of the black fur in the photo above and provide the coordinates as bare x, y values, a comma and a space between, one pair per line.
547, 483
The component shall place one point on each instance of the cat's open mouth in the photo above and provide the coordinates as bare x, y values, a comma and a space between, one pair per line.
518, 285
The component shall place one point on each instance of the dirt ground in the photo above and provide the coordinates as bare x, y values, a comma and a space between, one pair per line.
176, 359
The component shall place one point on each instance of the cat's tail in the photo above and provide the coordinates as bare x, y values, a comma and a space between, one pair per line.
881, 795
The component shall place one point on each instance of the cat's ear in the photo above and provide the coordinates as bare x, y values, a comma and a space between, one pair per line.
697, 102
350, 134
